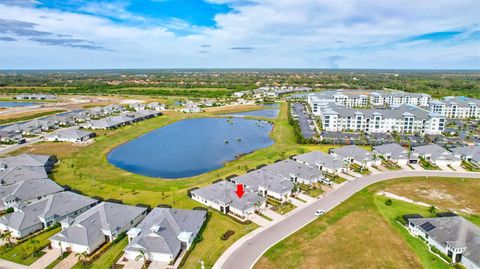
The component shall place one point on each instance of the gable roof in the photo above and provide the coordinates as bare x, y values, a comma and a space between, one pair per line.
318, 158
160, 229
288, 168
264, 179
435, 152
354, 152
394, 150
29, 189
16, 174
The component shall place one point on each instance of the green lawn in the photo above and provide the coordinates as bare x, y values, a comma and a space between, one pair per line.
427, 165
22, 253
108, 258
360, 228
311, 190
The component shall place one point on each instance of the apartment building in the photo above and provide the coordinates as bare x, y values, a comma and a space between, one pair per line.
458, 107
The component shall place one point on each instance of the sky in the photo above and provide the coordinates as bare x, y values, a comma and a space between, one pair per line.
373, 34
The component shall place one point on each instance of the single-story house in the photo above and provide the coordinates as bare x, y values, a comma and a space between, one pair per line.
45, 212
26, 191
266, 184
454, 236
70, 135
321, 161
436, 154
295, 171
45, 161
356, 155
17, 174
222, 197
164, 234
468, 153
97, 226
156, 106
393, 152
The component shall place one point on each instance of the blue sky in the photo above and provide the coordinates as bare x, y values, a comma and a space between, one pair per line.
427, 34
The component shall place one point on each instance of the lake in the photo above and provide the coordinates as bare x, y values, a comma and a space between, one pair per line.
270, 111
191, 147
8, 104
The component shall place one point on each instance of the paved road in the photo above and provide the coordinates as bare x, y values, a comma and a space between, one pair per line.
246, 251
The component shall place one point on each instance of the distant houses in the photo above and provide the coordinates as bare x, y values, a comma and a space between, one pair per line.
35, 97
70, 135
164, 234
97, 226
436, 155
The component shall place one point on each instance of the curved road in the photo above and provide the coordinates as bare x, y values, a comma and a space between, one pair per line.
245, 252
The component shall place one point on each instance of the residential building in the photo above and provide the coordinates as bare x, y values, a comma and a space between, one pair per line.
393, 152
397, 98
222, 197
24, 160
454, 236
458, 107
45, 212
321, 161
295, 171
469, 153
265, 183
164, 234
70, 135
436, 155
97, 226
356, 155
26, 191
17, 174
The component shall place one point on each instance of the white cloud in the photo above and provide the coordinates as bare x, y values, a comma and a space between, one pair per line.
287, 33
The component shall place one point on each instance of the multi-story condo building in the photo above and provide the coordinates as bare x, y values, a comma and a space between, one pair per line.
402, 119
393, 99
459, 107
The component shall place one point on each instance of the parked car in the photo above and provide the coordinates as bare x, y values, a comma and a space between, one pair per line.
319, 212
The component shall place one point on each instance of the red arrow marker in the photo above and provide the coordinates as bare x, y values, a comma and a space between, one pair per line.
239, 190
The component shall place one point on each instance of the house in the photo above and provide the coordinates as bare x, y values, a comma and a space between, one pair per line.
104, 124
164, 234
191, 107
26, 191
356, 155
10, 137
156, 106
97, 226
469, 153
45, 212
393, 152
221, 196
295, 171
454, 236
38, 160
17, 174
266, 184
70, 135
321, 161
137, 106
436, 155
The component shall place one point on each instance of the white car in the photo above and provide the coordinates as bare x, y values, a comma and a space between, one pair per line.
319, 213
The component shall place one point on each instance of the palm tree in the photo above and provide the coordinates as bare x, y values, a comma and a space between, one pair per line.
7, 237
33, 246
142, 257
82, 257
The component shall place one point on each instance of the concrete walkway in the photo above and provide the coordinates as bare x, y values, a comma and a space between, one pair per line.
245, 252
4, 264
261, 221
46, 259
272, 214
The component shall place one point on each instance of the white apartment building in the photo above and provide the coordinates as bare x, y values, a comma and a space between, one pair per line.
459, 107
402, 119
394, 99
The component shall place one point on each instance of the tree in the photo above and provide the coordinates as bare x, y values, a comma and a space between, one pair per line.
7, 237
142, 257
82, 257
33, 243
432, 210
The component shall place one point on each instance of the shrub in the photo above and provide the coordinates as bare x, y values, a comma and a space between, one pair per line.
119, 238
227, 235
388, 202
9, 210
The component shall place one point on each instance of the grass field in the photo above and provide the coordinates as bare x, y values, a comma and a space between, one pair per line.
364, 229
27, 115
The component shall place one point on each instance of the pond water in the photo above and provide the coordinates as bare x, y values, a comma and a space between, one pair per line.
7, 104
270, 111
191, 147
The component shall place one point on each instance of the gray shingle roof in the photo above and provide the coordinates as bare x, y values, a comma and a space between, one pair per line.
394, 150
354, 152
160, 229
29, 189
27, 160
436, 152
87, 228
72, 134
20, 173
318, 158
289, 168
56, 205
470, 152
262, 178
224, 192
456, 232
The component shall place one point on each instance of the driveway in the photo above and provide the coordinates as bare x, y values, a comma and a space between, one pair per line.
67, 262
4, 264
245, 252
46, 259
